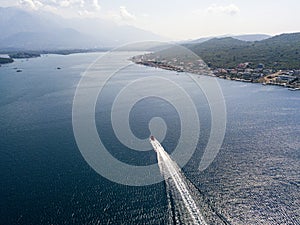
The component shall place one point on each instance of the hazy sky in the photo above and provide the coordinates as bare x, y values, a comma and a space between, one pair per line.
183, 19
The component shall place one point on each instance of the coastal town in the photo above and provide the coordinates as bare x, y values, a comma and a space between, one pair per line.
243, 72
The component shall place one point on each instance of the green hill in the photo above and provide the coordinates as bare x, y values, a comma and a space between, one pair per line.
278, 52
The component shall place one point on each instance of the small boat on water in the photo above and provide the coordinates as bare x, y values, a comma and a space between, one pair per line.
156, 145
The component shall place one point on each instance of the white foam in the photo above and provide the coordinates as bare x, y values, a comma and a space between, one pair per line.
170, 170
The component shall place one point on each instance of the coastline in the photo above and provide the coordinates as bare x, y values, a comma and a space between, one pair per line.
198, 67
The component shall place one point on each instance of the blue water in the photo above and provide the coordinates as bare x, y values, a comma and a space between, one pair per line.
255, 178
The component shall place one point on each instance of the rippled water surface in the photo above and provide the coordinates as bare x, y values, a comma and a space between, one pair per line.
254, 179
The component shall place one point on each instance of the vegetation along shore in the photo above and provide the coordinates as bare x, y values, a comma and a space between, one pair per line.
273, 61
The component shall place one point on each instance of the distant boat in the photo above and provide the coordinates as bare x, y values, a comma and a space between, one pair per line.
155, 144
18, 71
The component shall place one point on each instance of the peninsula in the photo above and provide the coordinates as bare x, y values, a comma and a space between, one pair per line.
273, 61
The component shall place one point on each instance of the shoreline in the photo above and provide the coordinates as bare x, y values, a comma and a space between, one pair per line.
279, 78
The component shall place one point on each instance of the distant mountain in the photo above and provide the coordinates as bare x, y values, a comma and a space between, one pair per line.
46, 40
38, 30
245, 37
14, 20
280, 52
219, 43
252, 37
283, 39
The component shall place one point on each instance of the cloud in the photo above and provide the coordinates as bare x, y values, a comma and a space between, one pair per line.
31, 4
219, 9
125, 15
121, 17
96, 4
75, 6
64, 4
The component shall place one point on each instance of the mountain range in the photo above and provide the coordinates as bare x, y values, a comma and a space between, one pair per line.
38, 30
243, 37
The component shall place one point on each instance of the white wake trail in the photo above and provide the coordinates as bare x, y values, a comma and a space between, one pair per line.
187, 211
